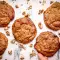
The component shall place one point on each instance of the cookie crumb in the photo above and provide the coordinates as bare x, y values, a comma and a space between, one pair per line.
22, 58
40, 25
5, 59
44, 1
40, 11
22, 46
31, 45
13, 41
59, 33
0, 56
13, 0
40, 2
51, 2
32, 54
28, 0
55, 35
7, 33
27, 15
24, 13
10, 52
30, 7
21, 4
16, 6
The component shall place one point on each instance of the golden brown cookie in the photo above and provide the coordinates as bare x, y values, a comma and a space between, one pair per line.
47, 43
52, 16
3, 43
6, 13
24, 30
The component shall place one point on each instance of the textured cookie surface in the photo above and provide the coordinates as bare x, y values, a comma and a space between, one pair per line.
24, 30
3, 43
47, 43
52, 16
6, 13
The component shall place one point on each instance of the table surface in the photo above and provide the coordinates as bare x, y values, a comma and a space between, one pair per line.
36, 6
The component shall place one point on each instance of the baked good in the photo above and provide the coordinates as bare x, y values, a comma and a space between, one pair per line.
47, 43
6, 13
24, 30
52, 16
3, 43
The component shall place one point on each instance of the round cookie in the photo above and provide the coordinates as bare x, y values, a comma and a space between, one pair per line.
24, 30
3, 43
6, 13
52, 16
47, 44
